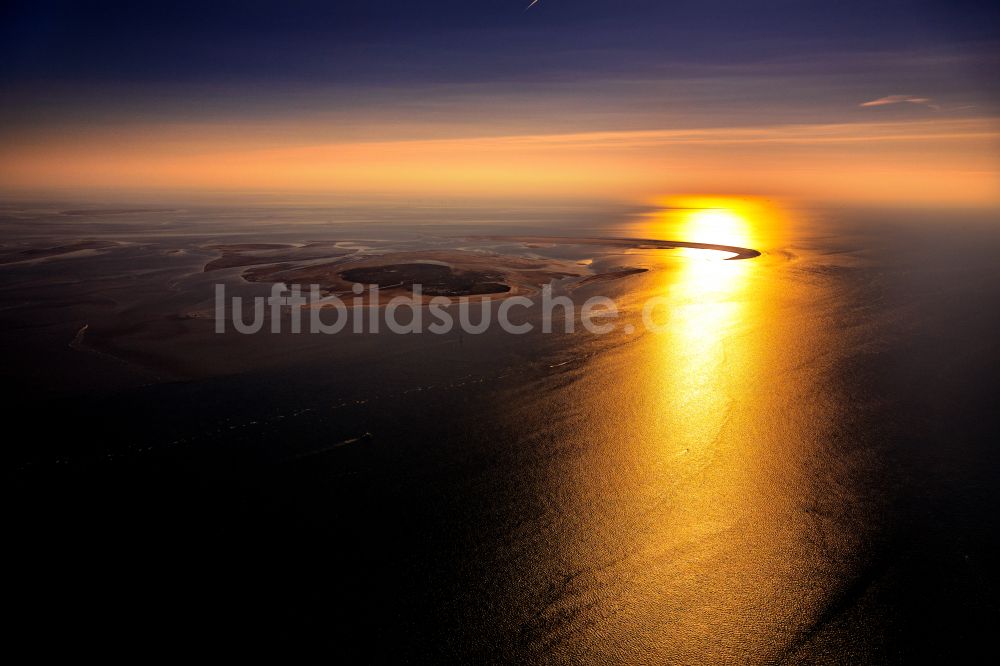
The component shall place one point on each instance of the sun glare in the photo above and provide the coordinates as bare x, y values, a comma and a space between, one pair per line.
720, 220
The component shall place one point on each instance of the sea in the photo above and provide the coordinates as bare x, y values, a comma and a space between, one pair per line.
790, 458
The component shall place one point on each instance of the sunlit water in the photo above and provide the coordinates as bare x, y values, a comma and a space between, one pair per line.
795, 466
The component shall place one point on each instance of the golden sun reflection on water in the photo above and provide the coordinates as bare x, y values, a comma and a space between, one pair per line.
704, 345
707, 464
707, 292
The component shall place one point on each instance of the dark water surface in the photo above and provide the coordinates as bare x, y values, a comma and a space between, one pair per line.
799, 467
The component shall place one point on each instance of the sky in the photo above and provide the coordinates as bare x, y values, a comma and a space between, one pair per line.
871, 102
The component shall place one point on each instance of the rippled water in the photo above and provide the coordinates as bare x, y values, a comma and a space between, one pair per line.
798, 467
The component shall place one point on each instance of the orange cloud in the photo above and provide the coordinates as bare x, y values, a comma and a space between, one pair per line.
927, 161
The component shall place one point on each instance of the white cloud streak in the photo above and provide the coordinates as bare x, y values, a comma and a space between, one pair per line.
901, 99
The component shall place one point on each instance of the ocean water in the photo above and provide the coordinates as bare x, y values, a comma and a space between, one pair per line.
798, 467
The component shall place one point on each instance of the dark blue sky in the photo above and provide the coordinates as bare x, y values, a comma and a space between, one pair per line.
563, 65
373, 41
